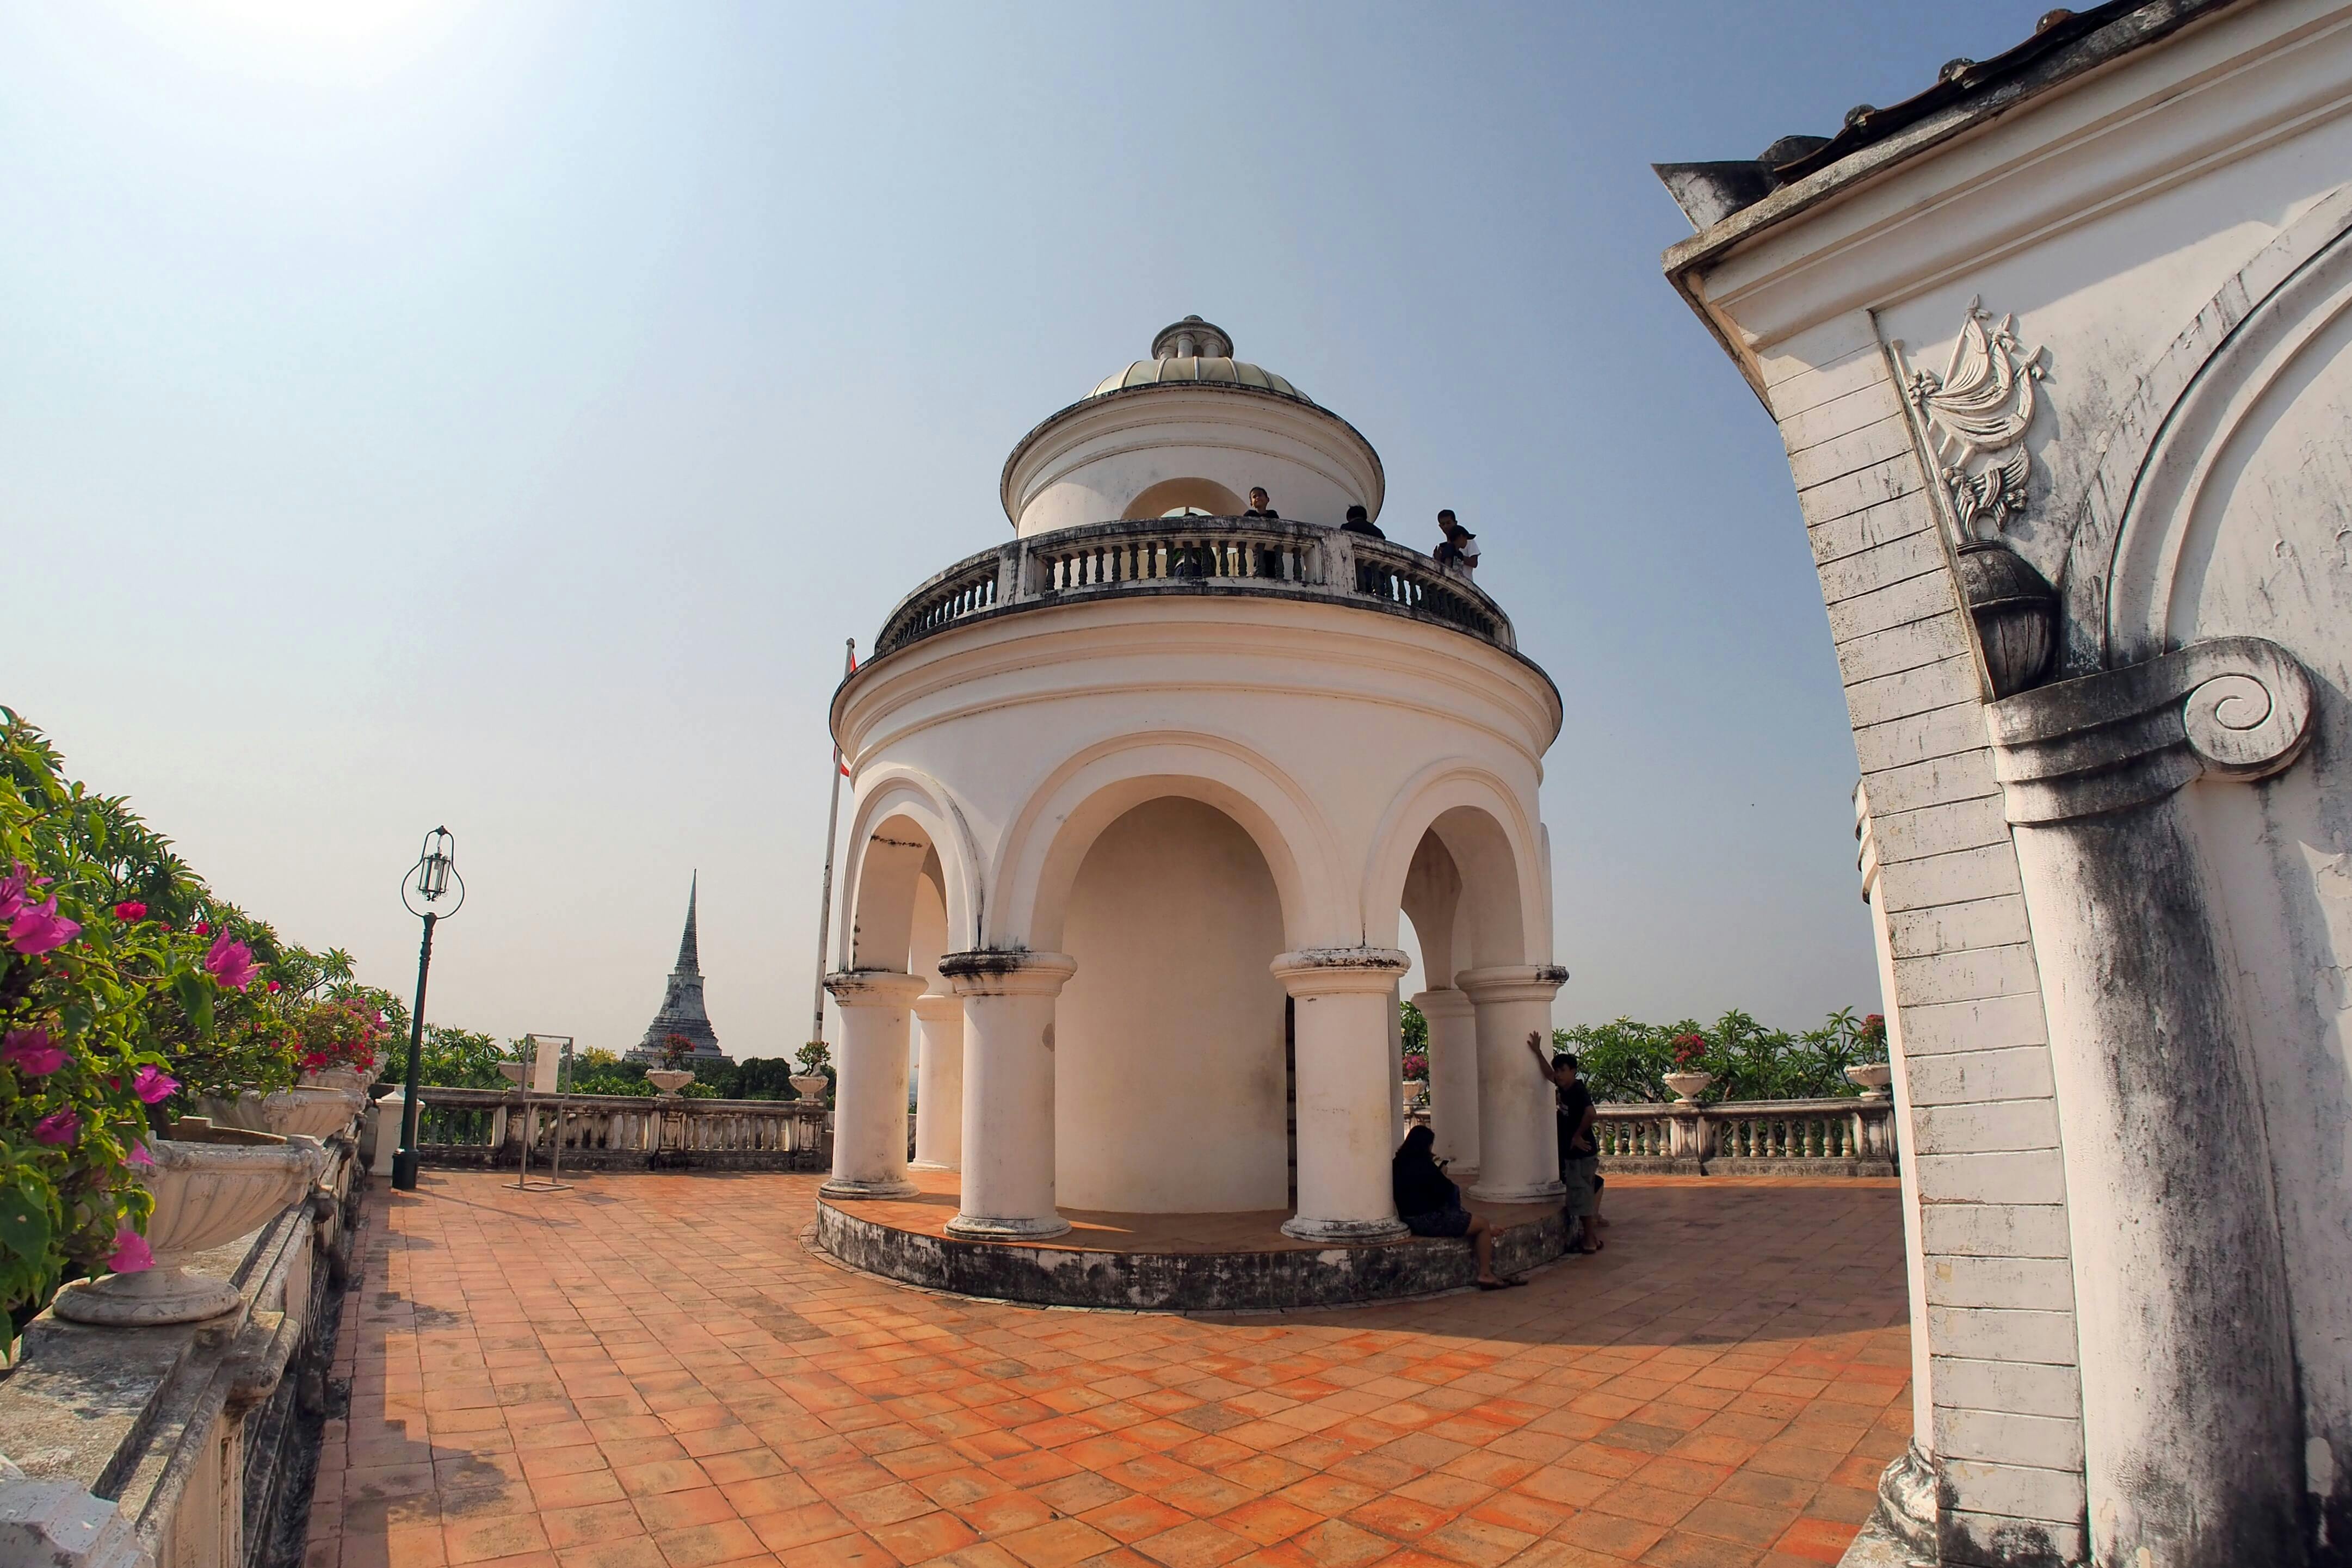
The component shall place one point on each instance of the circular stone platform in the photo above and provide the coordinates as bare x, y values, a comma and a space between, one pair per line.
1169, 1262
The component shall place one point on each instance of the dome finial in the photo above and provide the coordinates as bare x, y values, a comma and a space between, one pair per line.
1192, 337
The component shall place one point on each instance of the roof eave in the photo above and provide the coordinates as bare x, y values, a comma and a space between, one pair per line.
2093, 51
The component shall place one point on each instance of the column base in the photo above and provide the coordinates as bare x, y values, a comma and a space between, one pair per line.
929, 1165
1351, 1232
893, 1187
1534, 1193
988, 1227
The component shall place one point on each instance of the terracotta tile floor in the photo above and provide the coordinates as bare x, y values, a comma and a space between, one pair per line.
653, 1371
928, 1213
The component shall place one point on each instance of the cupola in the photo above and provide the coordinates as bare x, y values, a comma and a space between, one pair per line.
1192, 429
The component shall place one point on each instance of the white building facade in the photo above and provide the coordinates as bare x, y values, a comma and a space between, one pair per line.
1141, 798
2061, 354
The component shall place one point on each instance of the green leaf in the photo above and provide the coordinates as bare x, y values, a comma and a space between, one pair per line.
24, 1222
195, 995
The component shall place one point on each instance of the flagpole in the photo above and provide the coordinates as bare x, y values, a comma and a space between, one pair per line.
825, 899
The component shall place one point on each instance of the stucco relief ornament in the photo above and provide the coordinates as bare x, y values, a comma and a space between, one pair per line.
1970, 422
1976, 416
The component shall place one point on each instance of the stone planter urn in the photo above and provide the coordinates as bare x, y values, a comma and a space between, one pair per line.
809, 1086
668, 1080
306, 1111
1872, 1078
1689, 1086
511, 1072
206, 1194
345, 1079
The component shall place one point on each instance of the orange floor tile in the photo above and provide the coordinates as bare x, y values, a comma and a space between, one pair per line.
654, 1372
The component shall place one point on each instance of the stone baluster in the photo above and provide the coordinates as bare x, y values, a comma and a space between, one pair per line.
1452, 1077
1343, 1007
1007, 1153
869, 1143
1518, 1140
939, 1106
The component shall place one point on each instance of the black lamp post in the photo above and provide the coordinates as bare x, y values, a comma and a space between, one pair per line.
430, 880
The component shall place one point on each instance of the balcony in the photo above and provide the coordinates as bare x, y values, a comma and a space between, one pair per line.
1224, 556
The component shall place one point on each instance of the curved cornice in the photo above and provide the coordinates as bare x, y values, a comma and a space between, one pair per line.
972, 652
1128, 407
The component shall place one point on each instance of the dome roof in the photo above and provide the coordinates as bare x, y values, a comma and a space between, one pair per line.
1193, 350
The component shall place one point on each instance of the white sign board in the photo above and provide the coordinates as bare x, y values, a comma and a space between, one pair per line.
546, 1061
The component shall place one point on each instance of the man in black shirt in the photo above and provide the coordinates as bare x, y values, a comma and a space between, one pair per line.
1580, 1149
1361, 521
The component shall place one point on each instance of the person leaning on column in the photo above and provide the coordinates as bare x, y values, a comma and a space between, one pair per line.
1580, 1151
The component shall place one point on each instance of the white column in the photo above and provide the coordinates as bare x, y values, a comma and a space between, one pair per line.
1007, 1158
869, 1099
938, 1102
1396, 1069
1452, 1077
1518, 1141
1345, 1101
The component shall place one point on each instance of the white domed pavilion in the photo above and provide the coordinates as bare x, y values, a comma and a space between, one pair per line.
1141, 797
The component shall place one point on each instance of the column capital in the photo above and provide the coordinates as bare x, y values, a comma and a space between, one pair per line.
873, 987
1023, 973
1442, 1003
2231, 708
935, 1005
1340, 971
1512, 983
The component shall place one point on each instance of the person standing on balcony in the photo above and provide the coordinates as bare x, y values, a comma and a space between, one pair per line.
1579, 1150
1458, 552
1361, 521
1261, 504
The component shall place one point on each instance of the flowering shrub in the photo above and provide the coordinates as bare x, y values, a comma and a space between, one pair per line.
126, 990
90, 966
1416, 1066
1627, 1061
340, 1032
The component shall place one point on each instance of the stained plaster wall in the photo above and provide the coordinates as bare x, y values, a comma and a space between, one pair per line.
2105, 216
2001, 1403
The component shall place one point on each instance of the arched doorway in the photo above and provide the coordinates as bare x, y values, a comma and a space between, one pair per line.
1171, 1092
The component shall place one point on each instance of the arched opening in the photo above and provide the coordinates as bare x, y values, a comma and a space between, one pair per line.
1171, 1091
900, 922
900, 895
1173, 497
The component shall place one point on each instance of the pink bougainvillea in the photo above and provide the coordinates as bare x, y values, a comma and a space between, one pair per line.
230, 962
131, 1253
131, 910
58, 1127
154, 1085
38, 929
32, 1052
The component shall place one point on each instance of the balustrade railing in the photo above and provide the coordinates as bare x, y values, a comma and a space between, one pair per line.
1762, 1137
1236, 555
616, 1132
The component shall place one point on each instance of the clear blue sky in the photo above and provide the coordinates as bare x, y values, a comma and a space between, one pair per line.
500, 414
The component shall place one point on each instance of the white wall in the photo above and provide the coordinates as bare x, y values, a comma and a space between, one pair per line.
1167, 1088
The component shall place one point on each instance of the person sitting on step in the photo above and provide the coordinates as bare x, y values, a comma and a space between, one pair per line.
1430, 1205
